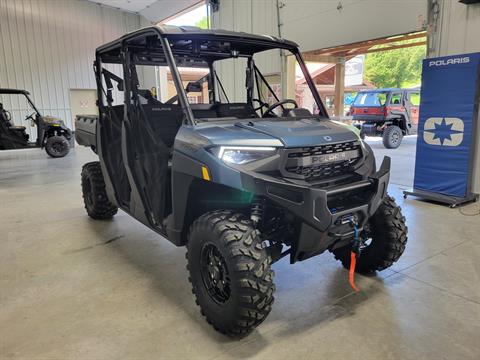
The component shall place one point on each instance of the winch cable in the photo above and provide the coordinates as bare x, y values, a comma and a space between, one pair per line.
353, 255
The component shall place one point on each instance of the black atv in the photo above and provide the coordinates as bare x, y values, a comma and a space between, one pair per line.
241, 184
52, 133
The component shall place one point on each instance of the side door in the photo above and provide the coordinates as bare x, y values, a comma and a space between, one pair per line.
148, 134
412, 105
396, 101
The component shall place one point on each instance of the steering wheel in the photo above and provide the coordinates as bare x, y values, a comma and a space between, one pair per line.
31, 118
280, 103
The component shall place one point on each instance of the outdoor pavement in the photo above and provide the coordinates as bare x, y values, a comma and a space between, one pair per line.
403, 159
75, 288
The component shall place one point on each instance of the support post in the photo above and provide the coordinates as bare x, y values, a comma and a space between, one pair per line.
288, 88
339, 86
162, 94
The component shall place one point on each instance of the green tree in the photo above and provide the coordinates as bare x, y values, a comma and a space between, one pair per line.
395, 68
202, 23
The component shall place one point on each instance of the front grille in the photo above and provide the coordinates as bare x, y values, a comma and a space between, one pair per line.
322, 162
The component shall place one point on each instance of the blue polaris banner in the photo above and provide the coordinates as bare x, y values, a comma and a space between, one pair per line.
446, 124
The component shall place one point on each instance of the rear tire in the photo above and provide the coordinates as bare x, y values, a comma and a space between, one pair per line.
57, 146
94, 194
229, 272
392, 137
388, 234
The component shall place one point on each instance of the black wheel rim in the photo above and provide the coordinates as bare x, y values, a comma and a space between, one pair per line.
58, 148
216, 278
395, 137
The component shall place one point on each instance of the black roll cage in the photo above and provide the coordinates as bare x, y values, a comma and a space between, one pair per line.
122, 50
38, 117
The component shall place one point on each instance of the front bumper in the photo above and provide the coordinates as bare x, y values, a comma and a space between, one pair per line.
325, 214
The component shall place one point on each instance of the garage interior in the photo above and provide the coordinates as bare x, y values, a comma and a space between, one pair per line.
75, 288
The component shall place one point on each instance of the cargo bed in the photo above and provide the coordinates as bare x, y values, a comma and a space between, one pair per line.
85, 130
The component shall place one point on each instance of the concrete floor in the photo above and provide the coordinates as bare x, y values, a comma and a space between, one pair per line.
75, 288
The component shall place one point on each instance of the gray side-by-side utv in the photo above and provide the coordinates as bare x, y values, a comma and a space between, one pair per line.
240, 184
52, 133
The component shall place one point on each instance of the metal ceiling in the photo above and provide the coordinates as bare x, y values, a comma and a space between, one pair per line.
127, 5
152, 10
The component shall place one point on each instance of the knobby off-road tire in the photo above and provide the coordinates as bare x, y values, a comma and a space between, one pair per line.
246, 297
392, 137
388, 234
57, 146
94, 195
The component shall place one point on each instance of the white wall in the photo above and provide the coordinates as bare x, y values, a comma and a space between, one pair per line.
457, 29
259, 17
47, 47
162, 9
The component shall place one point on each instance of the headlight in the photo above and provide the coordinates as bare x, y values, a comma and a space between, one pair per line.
242, 155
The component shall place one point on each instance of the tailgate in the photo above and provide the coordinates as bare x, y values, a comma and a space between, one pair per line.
86, 130
368, 110
368, 113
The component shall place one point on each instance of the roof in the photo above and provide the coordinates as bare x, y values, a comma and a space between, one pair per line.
192, 32
14, 91
322, 67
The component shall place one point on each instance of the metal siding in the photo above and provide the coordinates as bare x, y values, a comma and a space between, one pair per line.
48, 46
253, 17
458, 30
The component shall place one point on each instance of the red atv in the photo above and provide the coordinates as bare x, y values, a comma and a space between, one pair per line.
390, 113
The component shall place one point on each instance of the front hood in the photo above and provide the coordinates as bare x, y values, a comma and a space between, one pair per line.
279, 132
301, 133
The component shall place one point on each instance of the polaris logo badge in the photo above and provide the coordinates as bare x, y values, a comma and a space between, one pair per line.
464, 60
443, 131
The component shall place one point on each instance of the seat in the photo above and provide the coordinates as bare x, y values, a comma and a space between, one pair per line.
236, 110
165, 120
7, 123
17, 128
204, 111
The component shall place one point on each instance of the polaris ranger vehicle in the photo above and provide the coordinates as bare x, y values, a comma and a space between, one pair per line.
52, 133
240, 184
389, 113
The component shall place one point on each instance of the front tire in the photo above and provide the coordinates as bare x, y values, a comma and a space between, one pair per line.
229, 272
57, 146
392, 137
387, 234
94, 194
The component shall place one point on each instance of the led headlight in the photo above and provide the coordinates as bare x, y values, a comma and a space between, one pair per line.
240, 155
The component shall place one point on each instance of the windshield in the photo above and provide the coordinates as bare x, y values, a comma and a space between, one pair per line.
370, 99
240, 87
